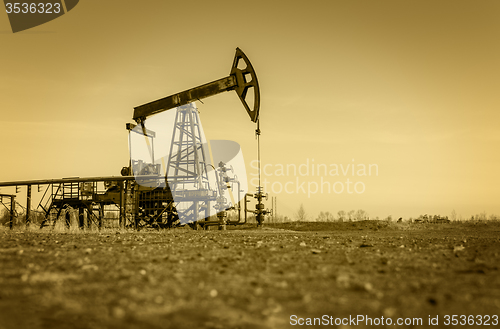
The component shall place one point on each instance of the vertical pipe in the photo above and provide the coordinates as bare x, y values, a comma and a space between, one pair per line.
101, 215
81, 215
90, 213
207, 215
246, 207
12, 209
135, 197
272, 209
239, 201
28, 204
276, 207
275, 210
121, 218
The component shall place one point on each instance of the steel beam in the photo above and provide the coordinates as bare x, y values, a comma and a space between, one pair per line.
185, 97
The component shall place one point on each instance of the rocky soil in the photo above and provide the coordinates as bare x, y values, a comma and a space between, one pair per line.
247, 277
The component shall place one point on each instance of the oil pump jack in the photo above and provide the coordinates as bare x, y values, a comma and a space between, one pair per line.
138, 192
188, 157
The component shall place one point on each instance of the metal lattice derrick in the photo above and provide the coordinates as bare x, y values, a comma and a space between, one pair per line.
187, 161
187, 172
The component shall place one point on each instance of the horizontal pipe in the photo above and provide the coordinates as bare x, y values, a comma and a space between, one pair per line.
78, 180
238, 222
210, 223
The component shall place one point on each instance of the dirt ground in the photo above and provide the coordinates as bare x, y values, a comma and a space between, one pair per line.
274, 277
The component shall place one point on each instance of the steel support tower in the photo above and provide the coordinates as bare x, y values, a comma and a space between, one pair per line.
187, 167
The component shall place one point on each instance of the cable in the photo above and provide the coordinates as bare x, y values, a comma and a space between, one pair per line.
257, 134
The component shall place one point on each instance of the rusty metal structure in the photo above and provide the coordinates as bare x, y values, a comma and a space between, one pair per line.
145, 196
10, 206
89, 196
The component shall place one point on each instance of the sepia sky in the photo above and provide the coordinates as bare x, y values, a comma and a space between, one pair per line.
409, 86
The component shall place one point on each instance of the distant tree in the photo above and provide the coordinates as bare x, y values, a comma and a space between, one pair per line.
301, 214
341, 215
321, 217
453, 215
482, 216
350, 215
389, 218
325, 217
361, 215
329, 216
